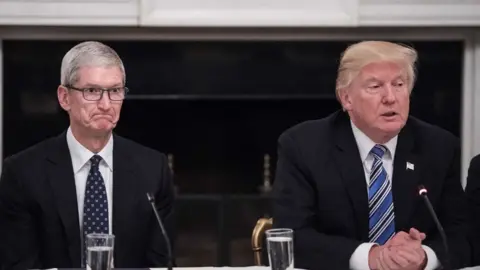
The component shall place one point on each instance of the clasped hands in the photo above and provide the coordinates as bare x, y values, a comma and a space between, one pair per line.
404, 251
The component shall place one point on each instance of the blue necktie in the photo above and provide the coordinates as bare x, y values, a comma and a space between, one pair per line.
95, 207
380, 200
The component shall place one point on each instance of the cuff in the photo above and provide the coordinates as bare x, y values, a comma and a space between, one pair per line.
432, 260
359, 258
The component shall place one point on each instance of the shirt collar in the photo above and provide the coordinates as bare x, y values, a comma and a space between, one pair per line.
81, 155
365, 144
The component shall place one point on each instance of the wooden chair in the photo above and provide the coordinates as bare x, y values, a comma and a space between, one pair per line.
258, 237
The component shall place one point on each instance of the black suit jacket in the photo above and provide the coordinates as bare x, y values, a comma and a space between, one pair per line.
39, 214
320, 190
473, 194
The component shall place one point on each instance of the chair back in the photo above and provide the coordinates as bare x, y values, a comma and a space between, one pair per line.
258, 237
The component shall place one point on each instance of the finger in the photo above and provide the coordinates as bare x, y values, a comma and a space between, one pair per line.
388, 255
398, 259
412, 256
399, 238
412, 244
415, 234
380, 262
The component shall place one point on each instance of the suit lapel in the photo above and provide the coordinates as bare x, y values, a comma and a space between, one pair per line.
62, 181
124, 189
405, 179
347, 158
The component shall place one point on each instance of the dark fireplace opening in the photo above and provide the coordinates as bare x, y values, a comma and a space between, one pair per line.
218, 146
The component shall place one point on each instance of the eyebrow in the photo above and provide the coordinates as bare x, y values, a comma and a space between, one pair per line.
374, 79
91, 85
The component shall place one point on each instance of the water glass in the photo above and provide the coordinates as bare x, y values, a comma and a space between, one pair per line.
280, 248
100, 251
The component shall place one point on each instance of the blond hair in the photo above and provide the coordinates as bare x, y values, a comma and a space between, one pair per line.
360, 54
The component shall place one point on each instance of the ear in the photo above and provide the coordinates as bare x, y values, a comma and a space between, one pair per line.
63, 97
345, 99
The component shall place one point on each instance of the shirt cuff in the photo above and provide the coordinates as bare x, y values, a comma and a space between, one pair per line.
432, 260
359, 258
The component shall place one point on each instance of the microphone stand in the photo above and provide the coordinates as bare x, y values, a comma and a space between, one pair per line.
423, 193
151, 199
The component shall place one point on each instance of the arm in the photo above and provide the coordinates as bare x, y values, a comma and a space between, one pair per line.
473, 195
452, 214
157, 254
19, 243
294, 206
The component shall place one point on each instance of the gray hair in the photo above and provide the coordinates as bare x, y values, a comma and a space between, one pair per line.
88, 53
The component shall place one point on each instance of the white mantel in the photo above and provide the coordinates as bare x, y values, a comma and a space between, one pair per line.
69, 12
248, 13
245, 13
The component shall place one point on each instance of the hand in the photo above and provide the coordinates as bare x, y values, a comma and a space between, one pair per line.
401, 257
413, 239
403, 251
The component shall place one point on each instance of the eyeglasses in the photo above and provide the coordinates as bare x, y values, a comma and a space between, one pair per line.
96, 94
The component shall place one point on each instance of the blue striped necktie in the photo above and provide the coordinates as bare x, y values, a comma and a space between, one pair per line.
380, 200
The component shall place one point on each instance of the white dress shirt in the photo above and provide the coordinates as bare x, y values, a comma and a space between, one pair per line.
81, 166
359, 258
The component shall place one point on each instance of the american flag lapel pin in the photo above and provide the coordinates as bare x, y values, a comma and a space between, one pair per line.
410, 166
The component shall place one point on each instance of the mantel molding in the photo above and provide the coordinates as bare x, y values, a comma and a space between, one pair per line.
248, 13
418, 14
69, 12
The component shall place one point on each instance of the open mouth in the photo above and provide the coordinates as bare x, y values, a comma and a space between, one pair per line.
389, 114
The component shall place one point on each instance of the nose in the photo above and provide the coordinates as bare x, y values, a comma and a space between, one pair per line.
104, 103
389, 95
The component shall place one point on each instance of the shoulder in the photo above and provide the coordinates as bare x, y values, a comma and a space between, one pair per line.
138, 150
474, 170
33, 154
432, 136
311, 130
475, 162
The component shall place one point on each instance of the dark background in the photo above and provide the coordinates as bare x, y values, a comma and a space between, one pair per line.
217, 108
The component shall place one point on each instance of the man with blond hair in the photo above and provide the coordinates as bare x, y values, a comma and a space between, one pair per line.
86, 180
348, 184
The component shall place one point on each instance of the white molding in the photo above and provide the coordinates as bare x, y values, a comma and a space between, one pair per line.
418, 14
255, 13
69, 12
236, 33
1, 104
469, 99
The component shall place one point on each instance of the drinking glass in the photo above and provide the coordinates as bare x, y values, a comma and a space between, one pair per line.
100, 251
280, 248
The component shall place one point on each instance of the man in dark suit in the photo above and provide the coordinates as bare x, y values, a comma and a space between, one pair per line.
473, 195
348, 184
86, 180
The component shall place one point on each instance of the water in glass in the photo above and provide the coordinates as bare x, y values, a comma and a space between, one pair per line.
99, 258
280, 249
100, 251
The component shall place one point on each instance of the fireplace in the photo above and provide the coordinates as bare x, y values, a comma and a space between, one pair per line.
217, 109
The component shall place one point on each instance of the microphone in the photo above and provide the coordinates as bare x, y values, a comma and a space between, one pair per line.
151, 199
422, 191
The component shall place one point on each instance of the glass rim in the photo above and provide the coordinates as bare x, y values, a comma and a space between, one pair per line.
100, 236
278, 231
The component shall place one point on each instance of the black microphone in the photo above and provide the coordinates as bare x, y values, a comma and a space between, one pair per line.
422, 191
151, 199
